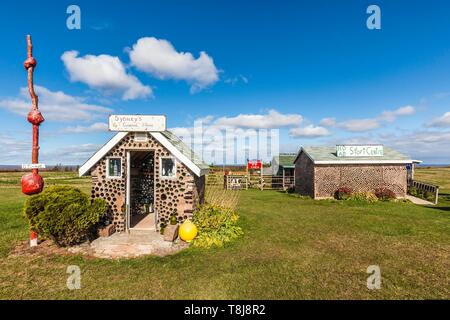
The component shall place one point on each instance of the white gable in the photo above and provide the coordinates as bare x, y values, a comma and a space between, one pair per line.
103, 151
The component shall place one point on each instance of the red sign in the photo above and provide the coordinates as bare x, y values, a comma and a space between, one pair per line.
254, 164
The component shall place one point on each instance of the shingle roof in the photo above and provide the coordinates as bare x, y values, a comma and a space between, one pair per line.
327, 155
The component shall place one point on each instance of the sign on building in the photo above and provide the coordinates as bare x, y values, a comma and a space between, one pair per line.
137, 123
359, 150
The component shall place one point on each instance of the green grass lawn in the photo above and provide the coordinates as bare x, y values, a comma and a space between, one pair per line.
293, 248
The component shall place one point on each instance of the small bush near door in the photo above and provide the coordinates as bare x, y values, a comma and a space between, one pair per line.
64, 214
216, 225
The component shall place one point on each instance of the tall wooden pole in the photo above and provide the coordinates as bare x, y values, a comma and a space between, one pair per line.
32, 183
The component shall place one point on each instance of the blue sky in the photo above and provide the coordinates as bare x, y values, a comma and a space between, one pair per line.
311, 69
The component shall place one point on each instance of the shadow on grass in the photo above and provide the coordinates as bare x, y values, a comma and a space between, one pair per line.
440, 208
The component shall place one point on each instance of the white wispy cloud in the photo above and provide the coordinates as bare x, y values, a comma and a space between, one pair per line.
105, 73
13, 149
309, 131
442, 121
271, 119
328, 122
235, 80
159, 58
358, 125
391, 115
95, 127
71, 154
55, 105
368, 124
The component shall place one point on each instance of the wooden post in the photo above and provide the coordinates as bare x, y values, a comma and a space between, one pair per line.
261, 178
32, 183
436, 196
283, 180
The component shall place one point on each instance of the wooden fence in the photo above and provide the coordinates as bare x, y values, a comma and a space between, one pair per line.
423, 188
264, 182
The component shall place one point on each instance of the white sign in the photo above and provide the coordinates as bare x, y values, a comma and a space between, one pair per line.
33, 166
137, 123
359, 150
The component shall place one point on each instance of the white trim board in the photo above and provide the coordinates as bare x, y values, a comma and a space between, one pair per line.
365, 162
84, 169
375, 161
177, 153
101, 153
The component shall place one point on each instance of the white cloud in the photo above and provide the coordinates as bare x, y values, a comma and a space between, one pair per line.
13, 150
234, 80
105, 73
55, 105
328, 122
429, 146
442, 121
310, 131
391, 116
358, 125
95, 127
273, 119
71, 154
159, 58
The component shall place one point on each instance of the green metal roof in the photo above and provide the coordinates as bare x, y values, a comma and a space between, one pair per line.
184, 149
286, 160
328, 154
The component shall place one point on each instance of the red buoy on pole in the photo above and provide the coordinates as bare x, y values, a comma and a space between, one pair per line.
32, 183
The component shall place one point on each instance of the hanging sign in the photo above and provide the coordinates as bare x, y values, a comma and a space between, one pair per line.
359, 150
137, 123
33, 166
254, 164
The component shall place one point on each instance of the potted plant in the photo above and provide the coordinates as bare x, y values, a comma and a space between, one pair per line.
171, 231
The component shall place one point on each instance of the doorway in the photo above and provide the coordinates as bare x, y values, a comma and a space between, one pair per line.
140, 190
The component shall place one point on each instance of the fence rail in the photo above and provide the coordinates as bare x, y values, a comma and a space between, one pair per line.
423, 188
261, 182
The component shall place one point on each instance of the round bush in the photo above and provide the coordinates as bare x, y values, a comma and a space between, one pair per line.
343, 193
385, 194
64, 214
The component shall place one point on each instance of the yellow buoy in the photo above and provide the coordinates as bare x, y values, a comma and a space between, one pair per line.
187, 231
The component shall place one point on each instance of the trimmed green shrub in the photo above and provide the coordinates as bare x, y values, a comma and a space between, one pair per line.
216, 225
343, 193
385, 194
64, 214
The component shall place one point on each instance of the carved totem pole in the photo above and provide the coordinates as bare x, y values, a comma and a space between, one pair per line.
33, 183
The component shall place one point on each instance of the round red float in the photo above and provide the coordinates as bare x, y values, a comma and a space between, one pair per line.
30, 62
35, 117
32, 183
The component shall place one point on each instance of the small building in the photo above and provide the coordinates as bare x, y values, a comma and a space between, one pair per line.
146, 177
320, 171
283, 164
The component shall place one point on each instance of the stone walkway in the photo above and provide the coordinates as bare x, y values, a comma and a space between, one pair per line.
419, 201
135, 244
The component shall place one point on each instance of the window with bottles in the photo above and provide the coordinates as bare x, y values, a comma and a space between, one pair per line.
168, 168
114, 169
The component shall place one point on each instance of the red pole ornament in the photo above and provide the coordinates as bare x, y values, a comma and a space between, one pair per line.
33, 183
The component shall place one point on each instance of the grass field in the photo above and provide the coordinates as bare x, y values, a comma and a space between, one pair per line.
293, 248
